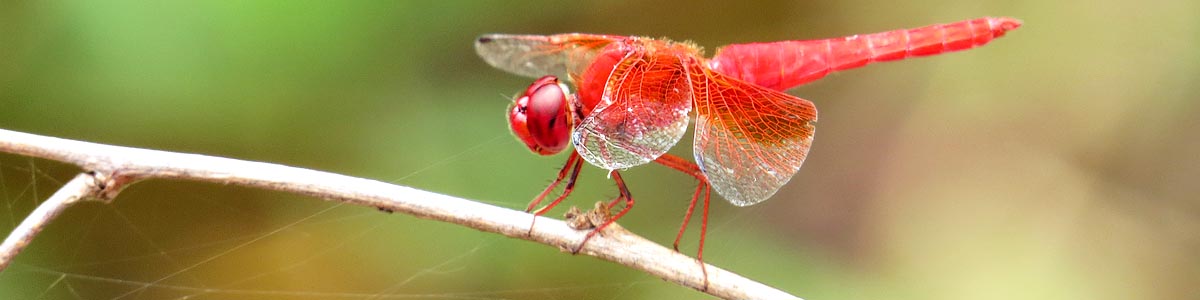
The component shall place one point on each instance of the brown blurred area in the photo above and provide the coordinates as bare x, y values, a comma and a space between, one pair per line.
1057, 162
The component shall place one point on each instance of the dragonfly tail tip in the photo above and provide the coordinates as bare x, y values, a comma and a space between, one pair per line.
1006, 23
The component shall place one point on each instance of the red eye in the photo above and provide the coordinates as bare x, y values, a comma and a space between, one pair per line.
538, 116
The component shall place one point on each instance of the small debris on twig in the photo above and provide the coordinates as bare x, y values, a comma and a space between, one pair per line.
591, 219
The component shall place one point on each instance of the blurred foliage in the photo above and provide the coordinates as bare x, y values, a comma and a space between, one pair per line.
1058, 162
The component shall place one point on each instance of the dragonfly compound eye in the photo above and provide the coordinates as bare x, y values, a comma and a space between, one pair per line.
538, 116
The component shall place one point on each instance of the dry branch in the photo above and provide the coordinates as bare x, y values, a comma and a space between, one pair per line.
81, 187
111, 168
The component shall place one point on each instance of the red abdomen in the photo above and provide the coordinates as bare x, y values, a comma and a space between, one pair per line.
787, 64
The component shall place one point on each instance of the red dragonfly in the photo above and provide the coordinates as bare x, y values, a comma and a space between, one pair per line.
635, 96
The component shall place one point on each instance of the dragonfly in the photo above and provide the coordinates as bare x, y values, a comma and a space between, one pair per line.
635, 97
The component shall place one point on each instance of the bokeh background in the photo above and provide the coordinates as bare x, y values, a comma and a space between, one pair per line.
1058, 162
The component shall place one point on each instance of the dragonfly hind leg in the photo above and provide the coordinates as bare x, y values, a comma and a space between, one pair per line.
690, 168
624, 197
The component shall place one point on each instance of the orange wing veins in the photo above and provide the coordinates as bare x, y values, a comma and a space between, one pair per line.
750, 140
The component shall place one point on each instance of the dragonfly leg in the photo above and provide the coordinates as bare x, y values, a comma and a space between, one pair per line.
624, 197
574, 163
562, 173
700, 187
703, 231
690, 168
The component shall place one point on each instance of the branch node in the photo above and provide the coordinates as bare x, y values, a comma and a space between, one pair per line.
108, 184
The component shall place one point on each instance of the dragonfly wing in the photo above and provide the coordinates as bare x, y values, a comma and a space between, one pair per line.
535, 56
643, 111
750, 140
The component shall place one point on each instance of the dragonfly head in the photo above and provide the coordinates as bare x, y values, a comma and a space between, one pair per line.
540, 116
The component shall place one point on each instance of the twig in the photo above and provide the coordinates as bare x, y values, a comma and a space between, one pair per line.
82, 187
120, 166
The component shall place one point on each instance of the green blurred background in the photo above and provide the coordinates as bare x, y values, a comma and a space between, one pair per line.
1058, 162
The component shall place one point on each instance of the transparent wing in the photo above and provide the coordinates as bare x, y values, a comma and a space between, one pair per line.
535, 56
750, 140
642, 113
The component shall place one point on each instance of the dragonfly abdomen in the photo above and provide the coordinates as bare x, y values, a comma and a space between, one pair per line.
930, 40
787, 64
